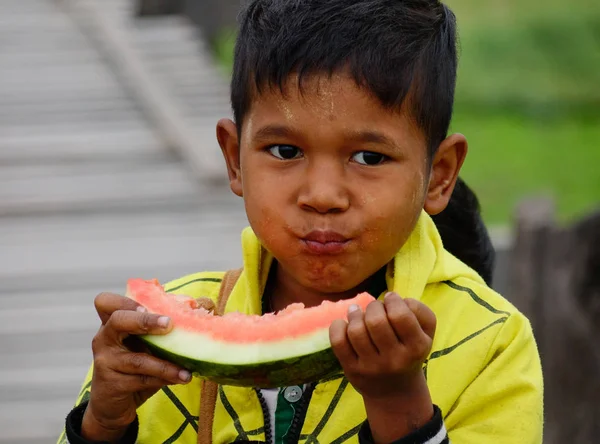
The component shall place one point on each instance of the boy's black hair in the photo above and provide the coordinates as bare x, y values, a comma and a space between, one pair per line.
464, 234
402, 51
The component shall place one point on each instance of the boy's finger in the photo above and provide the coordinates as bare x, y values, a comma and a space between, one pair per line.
141, 364
136, 345
340, 344
425, 316
359, 336
139, 383
383, 336
124, 322
402, 319
107, 303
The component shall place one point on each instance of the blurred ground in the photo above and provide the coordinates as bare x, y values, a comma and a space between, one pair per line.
90, 195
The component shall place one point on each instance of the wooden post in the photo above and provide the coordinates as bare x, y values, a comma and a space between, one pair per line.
213, 16
555, 280
158, 7
571, 333
534, 228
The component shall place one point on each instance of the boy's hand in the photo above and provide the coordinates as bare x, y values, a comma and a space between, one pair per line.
382, 353
124, 375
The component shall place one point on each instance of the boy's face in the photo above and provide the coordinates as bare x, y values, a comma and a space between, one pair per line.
333, 183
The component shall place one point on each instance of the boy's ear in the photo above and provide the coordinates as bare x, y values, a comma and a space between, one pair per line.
445, 167
227, 136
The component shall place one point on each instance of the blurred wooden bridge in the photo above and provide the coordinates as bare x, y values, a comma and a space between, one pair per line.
108, 169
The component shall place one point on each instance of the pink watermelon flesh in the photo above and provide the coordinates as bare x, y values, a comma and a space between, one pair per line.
287, 348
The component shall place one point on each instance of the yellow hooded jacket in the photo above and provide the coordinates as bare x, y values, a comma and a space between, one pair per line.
483, 372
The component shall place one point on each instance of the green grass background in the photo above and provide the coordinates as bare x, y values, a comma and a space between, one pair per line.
528, 100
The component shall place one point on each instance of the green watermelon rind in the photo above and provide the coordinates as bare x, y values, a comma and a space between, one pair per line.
297, 370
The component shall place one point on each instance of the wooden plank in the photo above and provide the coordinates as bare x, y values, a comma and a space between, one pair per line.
199, 94
66, 128
34, 379
54, 253
24, 42
93, 94
24, 108
20, 7
56, 29
110, 277
45, 389
30, 83
53, 295
51, 359
32, 343
55, 91
206, 216
29, 440
58, 318
205, 79
39, 58
61, 187
140, 146
53, 73
202, 113
188, 65
164, 54
165, 31
126, 257
34, 20
31, 420
167, 172
72, 117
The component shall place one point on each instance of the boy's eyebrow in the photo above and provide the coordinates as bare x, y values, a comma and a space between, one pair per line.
368, 136
271, 131
371, 137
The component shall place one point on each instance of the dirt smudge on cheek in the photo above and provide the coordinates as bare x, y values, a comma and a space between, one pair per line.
247, 128
369, 199
419, 191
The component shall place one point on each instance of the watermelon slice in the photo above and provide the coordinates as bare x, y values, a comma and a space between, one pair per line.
290, 347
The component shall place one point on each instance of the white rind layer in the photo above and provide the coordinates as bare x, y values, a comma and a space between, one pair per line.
202, 347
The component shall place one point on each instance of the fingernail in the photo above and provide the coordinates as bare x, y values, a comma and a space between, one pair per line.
353, 307
141, 309
185, 376
163, 321
389, 294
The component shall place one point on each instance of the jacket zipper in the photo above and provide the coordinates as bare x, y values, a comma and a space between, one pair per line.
297, 421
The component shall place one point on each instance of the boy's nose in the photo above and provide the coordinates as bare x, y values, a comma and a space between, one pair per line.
324, 190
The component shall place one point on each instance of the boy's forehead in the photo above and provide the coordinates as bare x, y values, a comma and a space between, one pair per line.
317, 93
335, 101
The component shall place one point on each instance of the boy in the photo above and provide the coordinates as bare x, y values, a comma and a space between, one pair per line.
340, 151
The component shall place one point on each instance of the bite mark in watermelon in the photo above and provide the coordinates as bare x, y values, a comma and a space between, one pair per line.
290, 347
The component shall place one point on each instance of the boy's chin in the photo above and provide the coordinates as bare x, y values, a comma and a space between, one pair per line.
329, 285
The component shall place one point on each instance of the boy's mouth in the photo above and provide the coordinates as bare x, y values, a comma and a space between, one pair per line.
325, 242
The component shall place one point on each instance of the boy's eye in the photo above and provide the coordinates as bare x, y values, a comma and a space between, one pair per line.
368, 158
285, 152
